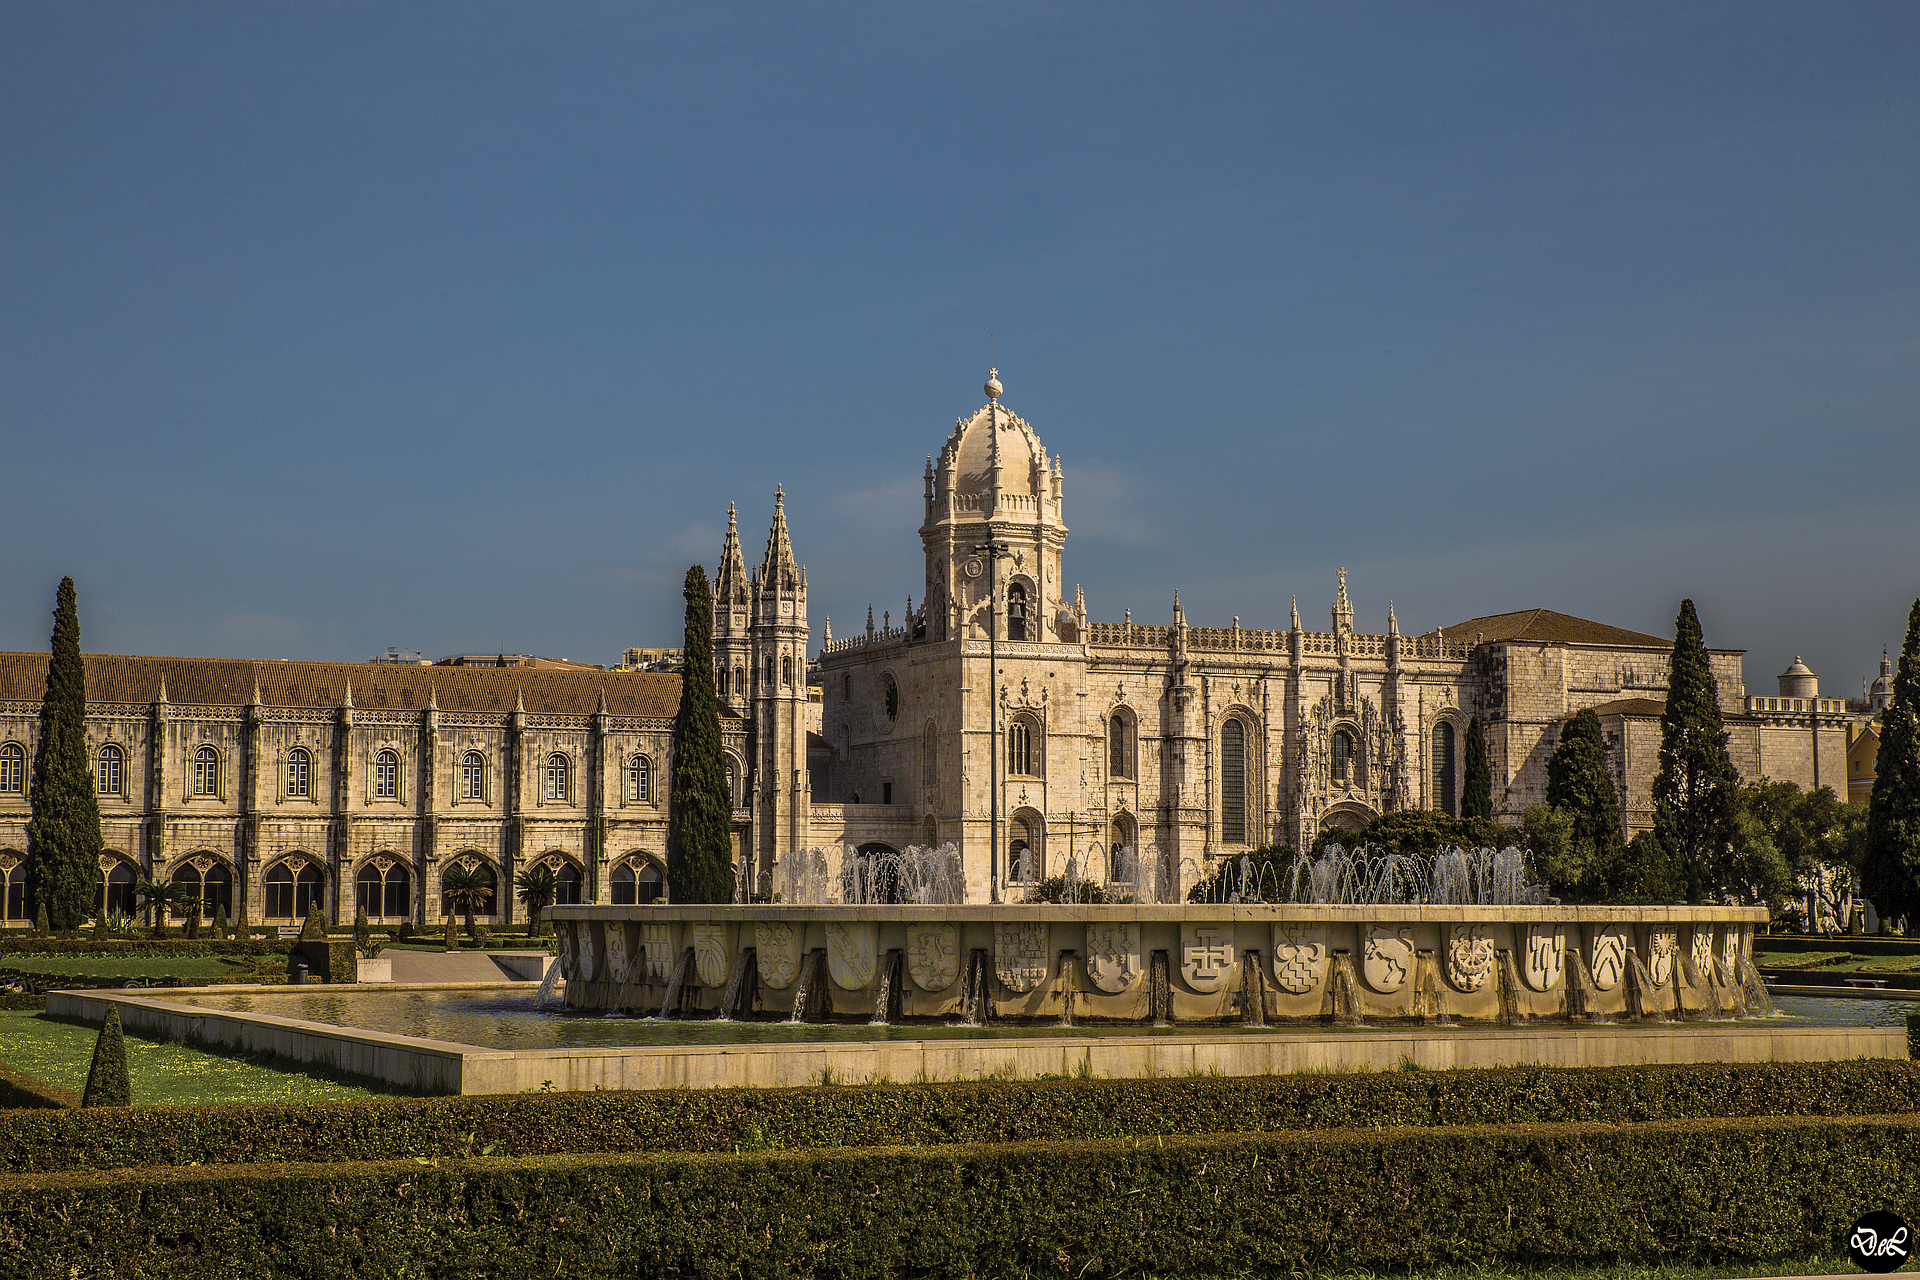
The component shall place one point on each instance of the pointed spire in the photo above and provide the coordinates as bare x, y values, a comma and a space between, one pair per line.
257, 701
869, 620
1342, 607
602, 709
730, 582
163, 687
349, 698
1393, 623
519, 699
826, 633
433, 697
777, 569
1294, 604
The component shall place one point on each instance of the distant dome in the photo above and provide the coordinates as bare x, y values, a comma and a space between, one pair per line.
1798, 681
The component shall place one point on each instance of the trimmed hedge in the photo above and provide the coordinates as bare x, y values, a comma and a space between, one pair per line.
1696, 1191
976, 1112
18, 1089
1865, 944
11, 945
35, 979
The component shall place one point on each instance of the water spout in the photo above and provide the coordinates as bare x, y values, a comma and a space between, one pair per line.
1643, 996
667, 1006
973, 990
803, 996
549, 985
883, 1002
1343, 996
1253, 990
747, 962
1759, 1002
1064, 984
1160, 991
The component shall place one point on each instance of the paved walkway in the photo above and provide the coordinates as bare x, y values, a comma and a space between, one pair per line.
447, 966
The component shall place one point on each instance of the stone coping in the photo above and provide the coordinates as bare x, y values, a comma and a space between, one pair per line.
448, 1067
1172, 913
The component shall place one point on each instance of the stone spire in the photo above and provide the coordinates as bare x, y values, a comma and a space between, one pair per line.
1393, 624
730, 582
1342, 608
349, 698
433, 697
778, 571
1294, 605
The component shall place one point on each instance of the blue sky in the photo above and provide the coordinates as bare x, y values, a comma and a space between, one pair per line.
330, 327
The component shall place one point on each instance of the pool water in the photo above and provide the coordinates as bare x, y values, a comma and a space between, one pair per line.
512, 1021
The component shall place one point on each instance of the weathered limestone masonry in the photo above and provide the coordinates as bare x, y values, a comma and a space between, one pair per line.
1181, 963
265, 783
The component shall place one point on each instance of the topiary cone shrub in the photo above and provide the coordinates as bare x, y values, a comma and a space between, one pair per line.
361, 929
107, 1082
40, 920
220, 921
315, 929
453, 934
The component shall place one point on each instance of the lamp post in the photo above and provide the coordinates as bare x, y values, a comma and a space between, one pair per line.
992, 551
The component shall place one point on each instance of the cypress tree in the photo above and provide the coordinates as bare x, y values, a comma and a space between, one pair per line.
63, 837
1476, 792
107, 1082
699, 807
1578, 783
1892, 854
1696, 795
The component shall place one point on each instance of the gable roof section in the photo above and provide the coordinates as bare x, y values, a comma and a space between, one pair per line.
1544, 626
229, 682
1642, 708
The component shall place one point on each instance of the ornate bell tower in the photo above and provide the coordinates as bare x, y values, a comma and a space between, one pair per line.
994, 482
778, 679
732, 637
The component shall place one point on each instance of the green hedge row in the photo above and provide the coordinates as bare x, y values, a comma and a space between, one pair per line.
1875, 944
39, 945
908, 1115
1698, 1191
18, 1089
38, 979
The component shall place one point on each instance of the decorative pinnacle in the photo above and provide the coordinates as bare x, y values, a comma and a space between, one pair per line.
993, 384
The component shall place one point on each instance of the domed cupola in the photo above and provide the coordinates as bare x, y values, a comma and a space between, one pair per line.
1798, 681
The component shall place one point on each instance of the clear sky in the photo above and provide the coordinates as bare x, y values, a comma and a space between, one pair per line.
328, 327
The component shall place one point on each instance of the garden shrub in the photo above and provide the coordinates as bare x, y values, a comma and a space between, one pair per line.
107, 1082
141, 947
1701, 1192
714, 1120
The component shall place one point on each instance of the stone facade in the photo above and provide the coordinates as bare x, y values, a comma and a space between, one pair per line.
1185, 744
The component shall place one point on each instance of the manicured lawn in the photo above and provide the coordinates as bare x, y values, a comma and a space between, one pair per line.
128, 966
162, 1072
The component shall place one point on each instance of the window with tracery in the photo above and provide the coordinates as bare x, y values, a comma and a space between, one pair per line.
108, 778
1233, 782
13, 769
206, 772
1119, 748
557, 788
639, 780
386, 776
473, 776
1443, 769
299, 774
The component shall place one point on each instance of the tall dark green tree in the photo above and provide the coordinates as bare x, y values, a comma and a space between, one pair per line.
1703, 844
63, 836
1476, 791
1579, 785
700, 805
1892, 854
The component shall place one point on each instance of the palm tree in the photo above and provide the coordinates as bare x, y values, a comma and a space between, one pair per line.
154, 897
467, 888
538, 888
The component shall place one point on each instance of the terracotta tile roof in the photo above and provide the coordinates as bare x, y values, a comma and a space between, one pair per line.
1546, 626
1649, 708
230, 682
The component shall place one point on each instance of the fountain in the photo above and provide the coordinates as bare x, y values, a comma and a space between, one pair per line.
670, 1005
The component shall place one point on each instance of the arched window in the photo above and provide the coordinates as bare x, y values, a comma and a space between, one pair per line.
733, 785
386, 776
1023, 755
1123, 837
739, 682
206, 772
557, 789
1119, 748
109, 777
1342, 755
385, 892
635, 881
1233, 782
13, 769
1023, 855
116, 889
299, 774
490, 885
1443, 779
212, 885
786, 672
293, 888
473, 776
639, 780
14, 869
769, 673
721, 677
1016, 612
566, 885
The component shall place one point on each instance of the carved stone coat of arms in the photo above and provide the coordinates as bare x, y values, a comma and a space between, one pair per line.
1206, 955
1546, 956
1607, 950
1387, 956
1020, 954
850, 952
1113, 954
777, 952
662, 943
712, 942
933, 955
1663, 944
1469, 956
1299, 956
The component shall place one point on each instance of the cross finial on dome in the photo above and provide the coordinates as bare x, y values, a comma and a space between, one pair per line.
993, 384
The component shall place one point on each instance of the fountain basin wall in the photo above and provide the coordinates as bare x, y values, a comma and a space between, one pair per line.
1300, 962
